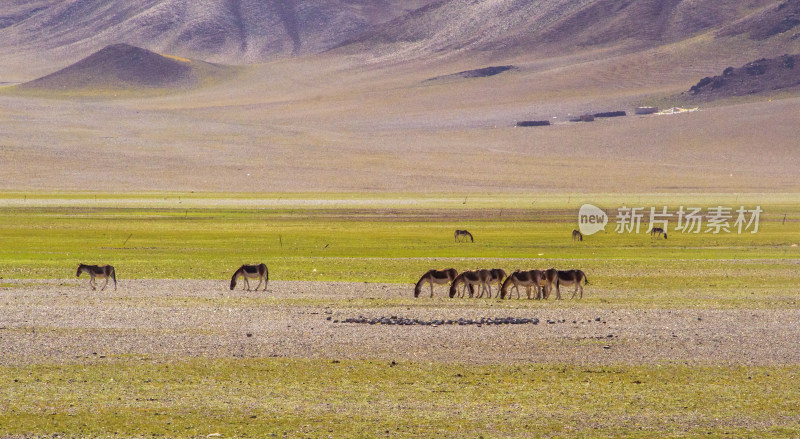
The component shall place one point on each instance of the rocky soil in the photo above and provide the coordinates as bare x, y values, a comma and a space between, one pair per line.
65, 322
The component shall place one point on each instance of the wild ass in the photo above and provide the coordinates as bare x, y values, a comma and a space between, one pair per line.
550, 279
95, 271
259, 271
577, 235
571, 277
657, 232
496, 275
470, 279
462, 235
527, 279
438, 277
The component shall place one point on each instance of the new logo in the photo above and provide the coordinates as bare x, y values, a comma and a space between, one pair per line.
591, 219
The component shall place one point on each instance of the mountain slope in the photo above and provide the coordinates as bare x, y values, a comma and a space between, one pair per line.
233, 31
247, 31
554, 26
778, 18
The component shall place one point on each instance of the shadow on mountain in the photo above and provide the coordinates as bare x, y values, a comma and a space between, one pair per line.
475, 73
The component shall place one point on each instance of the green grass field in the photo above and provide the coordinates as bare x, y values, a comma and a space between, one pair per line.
324, 398
394, 239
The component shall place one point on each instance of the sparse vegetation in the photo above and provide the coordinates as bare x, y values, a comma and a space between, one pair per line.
319, 398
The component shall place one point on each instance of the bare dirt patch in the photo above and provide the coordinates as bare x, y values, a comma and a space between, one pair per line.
50, 321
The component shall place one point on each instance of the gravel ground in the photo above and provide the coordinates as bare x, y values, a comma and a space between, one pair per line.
55, 322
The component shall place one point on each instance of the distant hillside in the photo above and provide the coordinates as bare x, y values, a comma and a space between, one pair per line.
232, 31
778, 18
759, 76
549, 26
122, 66
40, 36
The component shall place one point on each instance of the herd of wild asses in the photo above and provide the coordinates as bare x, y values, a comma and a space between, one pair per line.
482, 280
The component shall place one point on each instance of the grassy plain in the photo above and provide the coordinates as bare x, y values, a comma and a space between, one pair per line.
393, 239
325, 398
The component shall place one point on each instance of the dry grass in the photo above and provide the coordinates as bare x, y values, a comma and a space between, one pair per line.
332, 123
294, 135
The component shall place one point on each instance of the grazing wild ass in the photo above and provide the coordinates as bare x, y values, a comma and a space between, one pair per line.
259, 271
470, 279
438, 277
577, 235
657, 232
549, 280
96, 271
527, 279
462, 235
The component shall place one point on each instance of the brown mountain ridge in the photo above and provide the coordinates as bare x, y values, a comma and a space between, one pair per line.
228, 31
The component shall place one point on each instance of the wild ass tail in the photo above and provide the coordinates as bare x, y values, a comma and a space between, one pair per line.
114, 277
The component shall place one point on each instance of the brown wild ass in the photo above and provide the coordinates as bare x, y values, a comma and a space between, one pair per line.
549, 280
462, 235
438, 277
96, 271
577, 235
527, 279
259, 271
571, 277
657, 232
470, 279
495, 275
